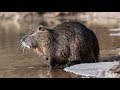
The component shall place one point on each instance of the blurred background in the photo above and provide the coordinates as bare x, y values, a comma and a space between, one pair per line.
14, 62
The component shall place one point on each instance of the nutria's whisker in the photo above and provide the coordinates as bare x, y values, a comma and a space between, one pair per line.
19, 42
23, 49
19, 46
24, 52
28, 50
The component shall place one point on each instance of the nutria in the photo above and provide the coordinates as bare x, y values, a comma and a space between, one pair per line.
66, 44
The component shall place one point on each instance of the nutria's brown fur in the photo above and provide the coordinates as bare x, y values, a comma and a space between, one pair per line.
66, 44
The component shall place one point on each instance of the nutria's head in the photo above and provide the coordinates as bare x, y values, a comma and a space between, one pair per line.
32, 38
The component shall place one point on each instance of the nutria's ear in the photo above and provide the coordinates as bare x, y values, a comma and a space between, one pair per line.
41, 28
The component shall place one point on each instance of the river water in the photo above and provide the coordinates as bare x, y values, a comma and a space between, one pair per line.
16, 63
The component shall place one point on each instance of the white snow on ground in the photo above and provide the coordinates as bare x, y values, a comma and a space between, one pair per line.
98, 70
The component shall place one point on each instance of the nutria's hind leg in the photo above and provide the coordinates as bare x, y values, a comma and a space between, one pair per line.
50, 63
49, 66
54, 64
60, 65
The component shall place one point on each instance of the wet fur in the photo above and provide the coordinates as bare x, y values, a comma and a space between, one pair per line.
67, 44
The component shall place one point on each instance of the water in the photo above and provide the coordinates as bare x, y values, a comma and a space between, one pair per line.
26, 64
16, 63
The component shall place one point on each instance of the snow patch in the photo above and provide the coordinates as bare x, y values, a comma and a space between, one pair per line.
99, 70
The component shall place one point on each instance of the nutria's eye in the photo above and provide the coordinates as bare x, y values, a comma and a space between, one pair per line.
41, 28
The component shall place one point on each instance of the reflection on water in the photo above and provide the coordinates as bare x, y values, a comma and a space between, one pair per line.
16, 63
27, 64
